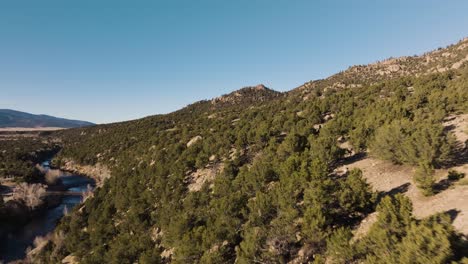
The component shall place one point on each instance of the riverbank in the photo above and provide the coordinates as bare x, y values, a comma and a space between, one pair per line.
98, 172
24, 224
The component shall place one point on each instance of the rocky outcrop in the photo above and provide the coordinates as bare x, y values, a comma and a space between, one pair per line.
99, 172
193, 140
442, 60
70, 259
197, 179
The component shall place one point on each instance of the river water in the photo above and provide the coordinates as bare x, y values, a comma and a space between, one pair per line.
22, 238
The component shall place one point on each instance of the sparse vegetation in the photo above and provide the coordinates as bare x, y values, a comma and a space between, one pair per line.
278, 198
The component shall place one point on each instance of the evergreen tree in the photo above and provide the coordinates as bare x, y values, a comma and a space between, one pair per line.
424, 178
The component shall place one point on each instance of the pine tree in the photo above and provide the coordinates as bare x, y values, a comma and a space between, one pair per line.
427, 242
424, 178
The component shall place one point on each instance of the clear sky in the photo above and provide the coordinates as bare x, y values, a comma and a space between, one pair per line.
106, 61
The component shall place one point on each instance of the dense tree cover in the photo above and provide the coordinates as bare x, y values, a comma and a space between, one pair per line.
18, 157
277, 198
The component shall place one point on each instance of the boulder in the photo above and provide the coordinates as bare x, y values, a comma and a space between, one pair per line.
193, 141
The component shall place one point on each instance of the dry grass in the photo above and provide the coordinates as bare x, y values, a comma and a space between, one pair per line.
30, 194
52, 176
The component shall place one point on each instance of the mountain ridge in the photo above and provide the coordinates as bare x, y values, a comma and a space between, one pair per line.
14, 118
439, 60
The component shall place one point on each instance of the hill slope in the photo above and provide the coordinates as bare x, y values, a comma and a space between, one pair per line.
261, 177
12, 118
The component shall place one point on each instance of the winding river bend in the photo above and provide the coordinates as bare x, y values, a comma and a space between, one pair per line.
22, 238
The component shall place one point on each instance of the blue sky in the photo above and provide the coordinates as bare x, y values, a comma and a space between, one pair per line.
107, 61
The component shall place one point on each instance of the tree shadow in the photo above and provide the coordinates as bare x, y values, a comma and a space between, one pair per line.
444, 184
449, 127
354, 158
400, 189
453, 213
459, 155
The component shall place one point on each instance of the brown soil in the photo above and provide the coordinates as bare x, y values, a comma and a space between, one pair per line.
452, 197
391, 179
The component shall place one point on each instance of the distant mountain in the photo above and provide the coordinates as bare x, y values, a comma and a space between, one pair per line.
12, 118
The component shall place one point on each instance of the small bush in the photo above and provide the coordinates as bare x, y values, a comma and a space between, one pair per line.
454, 175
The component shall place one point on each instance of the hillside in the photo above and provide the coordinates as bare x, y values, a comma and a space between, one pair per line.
258, 176
17, 119
441, 60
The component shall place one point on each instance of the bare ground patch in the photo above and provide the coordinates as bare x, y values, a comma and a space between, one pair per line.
459, 126
389, 178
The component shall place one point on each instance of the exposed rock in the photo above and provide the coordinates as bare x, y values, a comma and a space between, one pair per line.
233, 153
201, 176
235, 120
194, 140
260, 87
70, 259
394, 68
167, 253
458, 64
217, 246
447, 54
99, 172
462, 46
364, 226
328, 117
303, 255
156, 234
172, 129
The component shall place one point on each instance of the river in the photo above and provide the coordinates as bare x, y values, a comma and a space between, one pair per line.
22, 238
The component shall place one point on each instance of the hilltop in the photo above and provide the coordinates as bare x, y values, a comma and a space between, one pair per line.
247, 95
438, 61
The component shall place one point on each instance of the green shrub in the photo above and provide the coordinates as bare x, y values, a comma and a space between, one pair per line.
454, 175
424, 178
